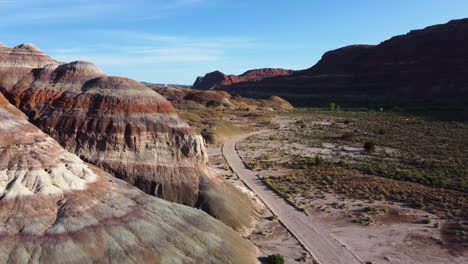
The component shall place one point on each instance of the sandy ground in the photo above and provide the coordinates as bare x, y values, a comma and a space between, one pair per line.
395, 237
270, 236
324, 247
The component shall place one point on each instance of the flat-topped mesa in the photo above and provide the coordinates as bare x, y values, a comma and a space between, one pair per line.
429, 63
123, 127
217, 79
53, 205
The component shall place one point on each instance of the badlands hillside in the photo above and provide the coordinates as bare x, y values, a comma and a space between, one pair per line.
53, 203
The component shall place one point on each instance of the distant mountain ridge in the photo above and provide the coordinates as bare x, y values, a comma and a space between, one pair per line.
167, 84
216, 79
423, 64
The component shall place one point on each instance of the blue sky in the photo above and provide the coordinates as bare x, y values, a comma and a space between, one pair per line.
173, 41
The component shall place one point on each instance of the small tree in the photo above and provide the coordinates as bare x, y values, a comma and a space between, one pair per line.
276, 259
369, 146
332, 106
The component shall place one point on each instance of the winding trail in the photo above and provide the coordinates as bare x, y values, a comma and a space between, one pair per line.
321, 245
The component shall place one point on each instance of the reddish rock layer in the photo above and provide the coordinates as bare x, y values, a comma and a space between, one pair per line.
54, 208
119, 125
217, 78
19, 61
186, 98
427, 63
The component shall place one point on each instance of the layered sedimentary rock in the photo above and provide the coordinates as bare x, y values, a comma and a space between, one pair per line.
55, 208
19, 61
426, 63
186, 98
216, 79
117, 124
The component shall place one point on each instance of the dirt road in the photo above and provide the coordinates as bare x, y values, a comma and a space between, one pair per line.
325, 248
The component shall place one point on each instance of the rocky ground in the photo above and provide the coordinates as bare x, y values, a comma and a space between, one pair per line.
269, 235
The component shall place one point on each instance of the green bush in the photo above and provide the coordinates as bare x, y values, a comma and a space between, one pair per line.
369, 146
273, 217
276, 259
318, 160
426, 221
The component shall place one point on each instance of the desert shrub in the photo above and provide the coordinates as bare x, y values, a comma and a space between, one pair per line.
347, 136
347, 122
332, 106
300, 123
273, 217
426, 221
276, 259
382, 131
369, 146
318, 160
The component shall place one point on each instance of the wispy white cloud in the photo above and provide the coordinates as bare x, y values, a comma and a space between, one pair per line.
55, 13
207, 42
33, 11
142, 48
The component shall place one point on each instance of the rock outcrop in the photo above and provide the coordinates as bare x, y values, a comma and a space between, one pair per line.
186, 98
20, 60
216, 79
117, 124
191, 99
427, 63
55, 208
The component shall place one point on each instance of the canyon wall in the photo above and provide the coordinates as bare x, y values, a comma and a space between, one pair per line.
430, 63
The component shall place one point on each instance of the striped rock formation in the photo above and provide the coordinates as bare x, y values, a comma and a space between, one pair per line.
186, 98
123, 127
429, 63
55, 208
218, 79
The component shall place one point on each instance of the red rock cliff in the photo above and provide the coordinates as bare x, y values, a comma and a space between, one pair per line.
426, 63
217, 78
